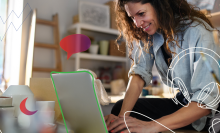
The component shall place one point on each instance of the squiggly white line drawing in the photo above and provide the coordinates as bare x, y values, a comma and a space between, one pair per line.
11, 23
212, 126
185, 92
146, 117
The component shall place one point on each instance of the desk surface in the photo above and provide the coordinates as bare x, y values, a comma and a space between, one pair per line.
115, 98
185, 131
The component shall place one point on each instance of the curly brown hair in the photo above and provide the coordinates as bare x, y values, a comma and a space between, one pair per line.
169, 14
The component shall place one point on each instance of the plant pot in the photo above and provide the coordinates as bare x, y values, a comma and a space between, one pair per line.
93, 49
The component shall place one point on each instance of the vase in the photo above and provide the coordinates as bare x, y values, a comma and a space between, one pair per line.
104, 44
18, 94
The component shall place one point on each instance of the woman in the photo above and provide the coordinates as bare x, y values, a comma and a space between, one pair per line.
167, 31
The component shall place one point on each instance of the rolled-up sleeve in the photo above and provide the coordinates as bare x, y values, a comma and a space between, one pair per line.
143, 63
204, 87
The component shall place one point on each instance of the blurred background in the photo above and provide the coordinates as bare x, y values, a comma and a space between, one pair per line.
30, 32
95, 20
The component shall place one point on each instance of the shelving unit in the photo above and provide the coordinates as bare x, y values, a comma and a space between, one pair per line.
101, 57
107, 85
102, 33
78, 28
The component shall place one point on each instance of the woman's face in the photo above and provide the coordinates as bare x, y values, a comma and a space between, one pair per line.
143, 15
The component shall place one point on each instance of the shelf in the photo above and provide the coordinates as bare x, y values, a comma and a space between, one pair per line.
101, 57
107, 86
214, 18
93, 28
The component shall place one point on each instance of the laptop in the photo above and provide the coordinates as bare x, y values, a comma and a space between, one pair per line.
78, 101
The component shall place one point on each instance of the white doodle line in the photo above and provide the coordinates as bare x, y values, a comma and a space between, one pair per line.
186, 92
146, 117
202, 91
12, 22
214, 124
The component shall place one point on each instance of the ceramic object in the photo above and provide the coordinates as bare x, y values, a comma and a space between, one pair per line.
45, 105
46, 116
93, 49
117, 86
8, 110
5, 101
19, 93
104, 45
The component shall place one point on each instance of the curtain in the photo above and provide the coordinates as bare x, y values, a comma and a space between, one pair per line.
3, 18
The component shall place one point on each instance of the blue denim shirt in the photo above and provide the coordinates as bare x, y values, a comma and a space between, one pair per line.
187, 71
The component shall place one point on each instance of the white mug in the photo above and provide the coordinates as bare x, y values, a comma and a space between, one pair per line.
45, 105
46, 116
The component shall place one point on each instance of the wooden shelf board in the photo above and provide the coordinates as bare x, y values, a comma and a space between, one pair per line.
44, 45
101, 57
93, 28
39, 69
107, 85
46, 22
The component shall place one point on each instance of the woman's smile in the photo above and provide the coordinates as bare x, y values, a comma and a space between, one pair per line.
143, 15
147, 27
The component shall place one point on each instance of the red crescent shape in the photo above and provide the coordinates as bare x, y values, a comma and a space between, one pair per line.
24, 109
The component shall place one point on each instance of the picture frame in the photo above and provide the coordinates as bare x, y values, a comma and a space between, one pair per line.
94, 14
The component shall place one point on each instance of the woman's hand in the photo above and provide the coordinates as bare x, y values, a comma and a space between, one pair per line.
134, 125
110, 118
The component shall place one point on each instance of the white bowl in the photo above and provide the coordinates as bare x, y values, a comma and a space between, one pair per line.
5, 101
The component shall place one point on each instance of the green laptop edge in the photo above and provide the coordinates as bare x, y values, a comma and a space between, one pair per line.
53, 72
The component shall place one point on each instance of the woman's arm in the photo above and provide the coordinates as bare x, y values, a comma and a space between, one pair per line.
133, 92
181, 118
134, 89
178, 119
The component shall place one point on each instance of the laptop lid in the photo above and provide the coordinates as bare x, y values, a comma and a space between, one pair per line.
78, 101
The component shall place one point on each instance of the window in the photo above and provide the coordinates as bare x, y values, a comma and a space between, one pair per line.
3, 18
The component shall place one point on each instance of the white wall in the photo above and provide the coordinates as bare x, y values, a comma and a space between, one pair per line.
66, 9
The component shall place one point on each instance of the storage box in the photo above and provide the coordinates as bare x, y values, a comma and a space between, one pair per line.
76, 19
113, 49
206, 12
112, 14
43, 90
